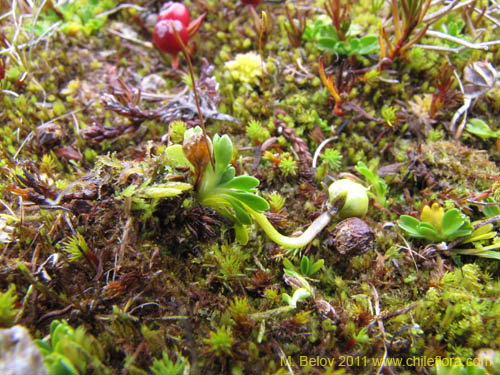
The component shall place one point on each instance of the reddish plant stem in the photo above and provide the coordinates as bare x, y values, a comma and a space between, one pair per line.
196, 97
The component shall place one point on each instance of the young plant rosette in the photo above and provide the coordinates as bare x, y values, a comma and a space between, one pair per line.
236, 197
436, 225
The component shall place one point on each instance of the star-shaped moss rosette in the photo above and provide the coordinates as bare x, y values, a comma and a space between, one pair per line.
437, 225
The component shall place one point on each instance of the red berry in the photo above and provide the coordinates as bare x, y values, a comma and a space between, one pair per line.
165, 38
251, 2
175, 11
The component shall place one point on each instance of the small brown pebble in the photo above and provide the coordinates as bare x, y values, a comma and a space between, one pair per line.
352, 237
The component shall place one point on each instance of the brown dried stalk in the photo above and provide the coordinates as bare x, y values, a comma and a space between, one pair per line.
294, 30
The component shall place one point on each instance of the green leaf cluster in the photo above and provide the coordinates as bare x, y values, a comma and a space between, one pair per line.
165, 366
308, 267
256, 132
453, 26
230, 195
69, 351
77, 16
328, 39
288, 165
447, 227
332, 158
378, 186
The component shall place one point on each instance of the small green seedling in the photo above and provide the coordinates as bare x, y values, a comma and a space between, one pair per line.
328, 39
308, 267
69, 351
453, 26
219, 189
378, 185
220, 341
436, 225
298, 295
236, 198
303, 288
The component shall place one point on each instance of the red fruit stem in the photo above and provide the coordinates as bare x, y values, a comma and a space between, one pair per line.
196, 98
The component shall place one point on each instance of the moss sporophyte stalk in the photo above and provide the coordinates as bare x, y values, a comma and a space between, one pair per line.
236, 198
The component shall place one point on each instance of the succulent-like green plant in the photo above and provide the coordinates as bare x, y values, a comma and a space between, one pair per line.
235, 196
437, 225
69, 351
308, 267
219, 188
328, 39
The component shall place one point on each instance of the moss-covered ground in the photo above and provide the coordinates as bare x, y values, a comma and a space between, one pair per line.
100, 226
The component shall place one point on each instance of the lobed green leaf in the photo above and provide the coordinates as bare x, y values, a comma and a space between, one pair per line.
176, 157
484, 232
170, 189
481, 129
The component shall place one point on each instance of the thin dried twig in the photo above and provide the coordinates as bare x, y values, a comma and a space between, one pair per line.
125, 102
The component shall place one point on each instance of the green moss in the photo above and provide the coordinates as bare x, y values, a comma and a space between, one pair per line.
8, 309
220, 341
288, 165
